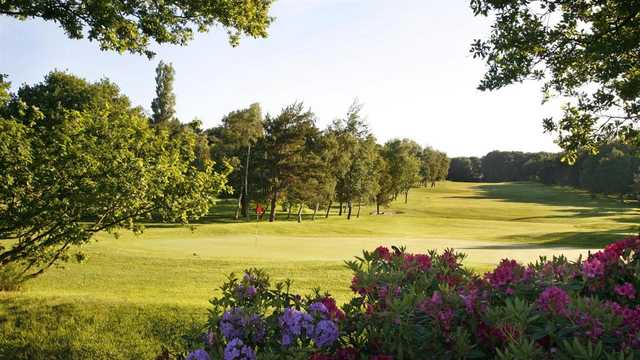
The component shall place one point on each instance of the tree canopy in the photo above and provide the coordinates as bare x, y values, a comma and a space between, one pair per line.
76, 159
583, 50
133, 25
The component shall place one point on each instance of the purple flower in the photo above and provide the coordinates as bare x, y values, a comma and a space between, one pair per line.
293, 324
318, 309
593, 268
326, 333
627, 290
554, 299
199, 354
235, 323
237, 350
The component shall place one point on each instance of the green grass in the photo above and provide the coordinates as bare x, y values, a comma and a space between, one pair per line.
136, 293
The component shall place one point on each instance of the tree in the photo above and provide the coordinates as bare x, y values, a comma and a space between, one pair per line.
356, 180
435, 166
163, 106
403, 165
240, 131
583, 50
461, 169
132, 25
386, 191
92, 165
284, 152
611, 171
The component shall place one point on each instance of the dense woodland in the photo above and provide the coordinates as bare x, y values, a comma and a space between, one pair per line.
613, 170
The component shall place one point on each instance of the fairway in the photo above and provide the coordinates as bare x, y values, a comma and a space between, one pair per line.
135, 293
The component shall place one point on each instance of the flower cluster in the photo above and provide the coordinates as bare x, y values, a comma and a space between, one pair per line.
237, 323
407, 305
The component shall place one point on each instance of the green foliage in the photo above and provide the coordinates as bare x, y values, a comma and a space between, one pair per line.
462, 169
132, 26
435, 166
163, 105
73, 164
356, 177
290, 161
581, 49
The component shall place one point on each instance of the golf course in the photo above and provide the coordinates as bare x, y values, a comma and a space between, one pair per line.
136, 293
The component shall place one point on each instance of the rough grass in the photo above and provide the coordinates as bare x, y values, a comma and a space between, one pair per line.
137, 293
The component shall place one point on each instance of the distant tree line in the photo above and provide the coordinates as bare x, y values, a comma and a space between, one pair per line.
613, 170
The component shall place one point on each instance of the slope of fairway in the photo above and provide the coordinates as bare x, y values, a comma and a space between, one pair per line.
135, 293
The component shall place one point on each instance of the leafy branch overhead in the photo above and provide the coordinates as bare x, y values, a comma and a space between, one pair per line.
131, 26
585, 51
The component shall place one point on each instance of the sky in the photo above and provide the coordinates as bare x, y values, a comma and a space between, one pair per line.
407, 61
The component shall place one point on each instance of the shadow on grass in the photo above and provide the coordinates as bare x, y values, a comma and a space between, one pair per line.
39, 329
581, 204
569, 239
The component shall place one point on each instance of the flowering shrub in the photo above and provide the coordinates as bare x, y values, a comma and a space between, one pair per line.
428, 306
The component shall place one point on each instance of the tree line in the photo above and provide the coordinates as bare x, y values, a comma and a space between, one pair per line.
613, 170
286, 160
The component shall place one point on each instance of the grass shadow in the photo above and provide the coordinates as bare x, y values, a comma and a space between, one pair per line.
580, 203
557, 240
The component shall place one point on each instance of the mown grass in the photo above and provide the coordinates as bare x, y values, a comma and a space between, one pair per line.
137, 293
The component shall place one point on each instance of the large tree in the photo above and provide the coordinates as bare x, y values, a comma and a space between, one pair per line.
286, 157
133, 25
584, 50
76, 159
163, 105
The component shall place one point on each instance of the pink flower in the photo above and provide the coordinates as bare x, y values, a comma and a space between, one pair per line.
423, 261
355, 286
450, 259
626, 290
382, 253
554, 299
593, 268
507, 273
332, 308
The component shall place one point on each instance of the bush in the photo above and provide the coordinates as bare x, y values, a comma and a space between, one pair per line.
417, 306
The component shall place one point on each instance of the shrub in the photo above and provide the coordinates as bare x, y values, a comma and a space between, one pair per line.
417, 306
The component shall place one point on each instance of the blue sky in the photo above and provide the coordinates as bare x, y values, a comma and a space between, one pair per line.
406, 60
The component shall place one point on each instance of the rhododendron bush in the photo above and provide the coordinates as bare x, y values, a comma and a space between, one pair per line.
428, 306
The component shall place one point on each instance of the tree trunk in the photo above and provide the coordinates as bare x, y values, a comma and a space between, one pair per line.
406, 196
300, 212
326, 216
313, 217
340, 211
272, 214
358, 213
349, 210
237, 216
289, 212
377, 208
245, 203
